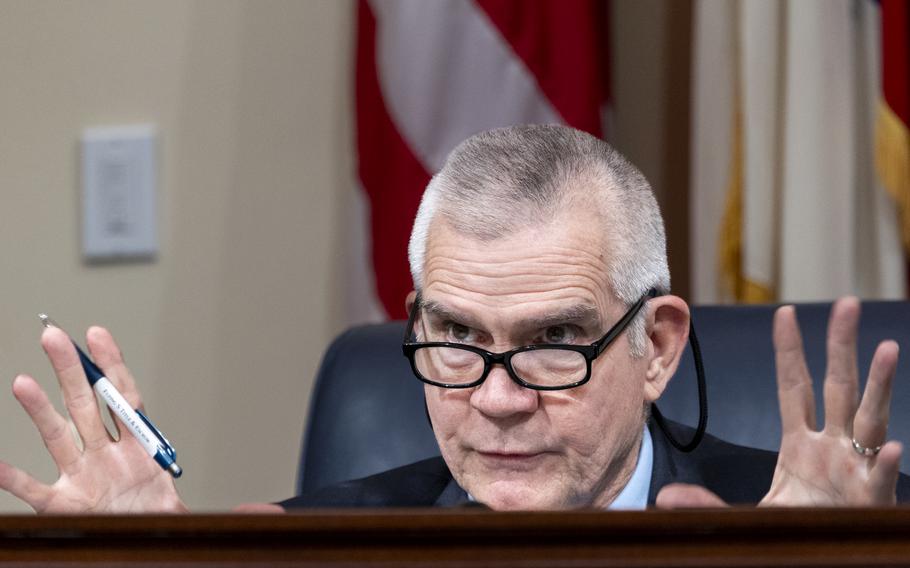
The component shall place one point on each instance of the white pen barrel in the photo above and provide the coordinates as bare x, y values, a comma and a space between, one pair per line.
127, 415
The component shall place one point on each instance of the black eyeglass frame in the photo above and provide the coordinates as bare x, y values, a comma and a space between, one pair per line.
590, 352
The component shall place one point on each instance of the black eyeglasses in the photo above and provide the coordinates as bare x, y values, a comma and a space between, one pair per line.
539, 367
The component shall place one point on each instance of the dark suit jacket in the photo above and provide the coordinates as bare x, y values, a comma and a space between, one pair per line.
736, 473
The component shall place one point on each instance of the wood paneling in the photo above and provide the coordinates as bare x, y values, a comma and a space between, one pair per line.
467, 537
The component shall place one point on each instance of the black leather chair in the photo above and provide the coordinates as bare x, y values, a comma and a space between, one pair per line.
367, 412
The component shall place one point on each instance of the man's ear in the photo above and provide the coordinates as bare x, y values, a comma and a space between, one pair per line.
409, 301
667, 326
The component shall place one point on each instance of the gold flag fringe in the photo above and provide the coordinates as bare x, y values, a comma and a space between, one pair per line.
730, 251
892, 163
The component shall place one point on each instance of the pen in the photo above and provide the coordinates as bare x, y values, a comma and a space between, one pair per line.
135, 421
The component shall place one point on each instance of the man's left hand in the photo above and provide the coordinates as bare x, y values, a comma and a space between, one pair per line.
826, 467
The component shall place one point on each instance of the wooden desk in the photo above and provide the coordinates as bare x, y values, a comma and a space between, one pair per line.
466, 537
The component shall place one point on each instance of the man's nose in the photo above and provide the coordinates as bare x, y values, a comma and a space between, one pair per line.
499, 396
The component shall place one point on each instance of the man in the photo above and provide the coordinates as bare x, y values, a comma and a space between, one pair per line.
544, 329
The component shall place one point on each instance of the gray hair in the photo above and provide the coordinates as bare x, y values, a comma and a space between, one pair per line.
508, 179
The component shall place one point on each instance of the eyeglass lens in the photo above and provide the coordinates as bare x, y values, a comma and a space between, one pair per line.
543, 367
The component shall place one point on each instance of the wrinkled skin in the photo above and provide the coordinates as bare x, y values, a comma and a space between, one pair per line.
517, 448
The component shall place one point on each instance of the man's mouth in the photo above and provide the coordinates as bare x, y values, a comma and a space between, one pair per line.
510, 459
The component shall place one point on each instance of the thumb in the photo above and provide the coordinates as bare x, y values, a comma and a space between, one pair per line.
687, 496
259, 509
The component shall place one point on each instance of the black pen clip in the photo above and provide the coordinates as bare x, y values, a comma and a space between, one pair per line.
165, 445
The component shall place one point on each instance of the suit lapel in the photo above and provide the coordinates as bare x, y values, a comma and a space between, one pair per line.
670, 465
452, 495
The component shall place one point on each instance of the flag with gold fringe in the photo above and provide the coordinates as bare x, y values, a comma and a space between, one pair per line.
892, 140
787, 202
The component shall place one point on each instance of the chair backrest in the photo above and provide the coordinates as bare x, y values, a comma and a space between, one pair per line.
367, 411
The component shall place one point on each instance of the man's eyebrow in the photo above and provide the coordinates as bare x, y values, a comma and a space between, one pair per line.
580, 314
447, 314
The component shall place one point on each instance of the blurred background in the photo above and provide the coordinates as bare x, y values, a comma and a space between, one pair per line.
293, 138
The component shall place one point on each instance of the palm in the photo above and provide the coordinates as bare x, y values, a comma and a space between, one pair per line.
111, 482
820, 470
104, 475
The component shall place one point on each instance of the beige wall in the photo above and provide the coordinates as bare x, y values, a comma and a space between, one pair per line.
225, 329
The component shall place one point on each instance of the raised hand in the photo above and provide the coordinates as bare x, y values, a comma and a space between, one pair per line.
846, 463
822, 467
105, 475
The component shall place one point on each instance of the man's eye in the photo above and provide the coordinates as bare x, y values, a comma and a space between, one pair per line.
559, 334
460, 333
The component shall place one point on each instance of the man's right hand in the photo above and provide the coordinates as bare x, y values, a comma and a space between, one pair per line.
105, 475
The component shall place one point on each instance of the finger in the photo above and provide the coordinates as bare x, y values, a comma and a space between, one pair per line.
25, 487
107, 355
78, 396
870, 427
884, 474
794, 385
686, 496
841, 381
54, 429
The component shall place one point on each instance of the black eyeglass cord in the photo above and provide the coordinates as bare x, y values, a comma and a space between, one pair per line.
702, 401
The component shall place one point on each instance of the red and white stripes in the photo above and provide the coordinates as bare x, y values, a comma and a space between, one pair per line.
430, 74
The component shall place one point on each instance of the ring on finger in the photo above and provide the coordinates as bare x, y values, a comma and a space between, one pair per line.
864, 451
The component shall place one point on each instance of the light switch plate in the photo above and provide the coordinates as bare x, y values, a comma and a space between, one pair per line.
119, 182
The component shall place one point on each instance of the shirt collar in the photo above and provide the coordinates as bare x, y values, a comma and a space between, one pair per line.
634, 496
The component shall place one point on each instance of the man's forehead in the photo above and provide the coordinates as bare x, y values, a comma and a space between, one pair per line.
568, 249
555, 273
